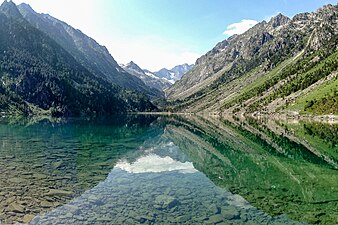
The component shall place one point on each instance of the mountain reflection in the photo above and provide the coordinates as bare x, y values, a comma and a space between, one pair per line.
153, 169
271, 164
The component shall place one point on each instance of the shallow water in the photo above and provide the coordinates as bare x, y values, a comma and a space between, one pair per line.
167, 170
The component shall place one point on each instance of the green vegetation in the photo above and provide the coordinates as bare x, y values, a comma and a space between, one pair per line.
297, 75
321, 100
38, 76
273, 172
321, 136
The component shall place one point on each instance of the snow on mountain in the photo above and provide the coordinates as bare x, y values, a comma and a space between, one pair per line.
175, 73
149, 78
161, 79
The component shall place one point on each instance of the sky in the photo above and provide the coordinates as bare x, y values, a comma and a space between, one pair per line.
159, 34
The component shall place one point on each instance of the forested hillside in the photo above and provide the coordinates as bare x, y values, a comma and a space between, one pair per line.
38, 76
91, 55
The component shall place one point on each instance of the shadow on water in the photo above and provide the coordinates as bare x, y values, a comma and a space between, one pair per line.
168, 170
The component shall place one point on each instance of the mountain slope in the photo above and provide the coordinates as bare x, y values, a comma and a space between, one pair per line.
38, 76
175, 73
149, 78
85, 50
247, 73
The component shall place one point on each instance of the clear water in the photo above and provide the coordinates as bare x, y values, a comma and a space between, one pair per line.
168, 170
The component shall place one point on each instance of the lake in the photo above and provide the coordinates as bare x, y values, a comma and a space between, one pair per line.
151, 169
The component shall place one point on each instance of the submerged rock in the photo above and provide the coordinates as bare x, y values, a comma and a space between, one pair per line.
165, 202
17, 180
46, 204
214, 219
27, 218
15, 207
230, 213
57, 192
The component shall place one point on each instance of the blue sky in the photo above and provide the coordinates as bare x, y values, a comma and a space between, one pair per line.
164, 33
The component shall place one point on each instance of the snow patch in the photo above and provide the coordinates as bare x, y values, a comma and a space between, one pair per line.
152, 75
170, 81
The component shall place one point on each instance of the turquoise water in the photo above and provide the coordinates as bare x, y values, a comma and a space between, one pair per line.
167, 170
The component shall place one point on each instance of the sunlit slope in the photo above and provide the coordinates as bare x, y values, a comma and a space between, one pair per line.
265, 69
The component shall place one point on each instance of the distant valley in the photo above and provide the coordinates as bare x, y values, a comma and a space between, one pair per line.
161, 79
282, 66
243, 131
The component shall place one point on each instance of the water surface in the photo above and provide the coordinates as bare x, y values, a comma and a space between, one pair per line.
168, 170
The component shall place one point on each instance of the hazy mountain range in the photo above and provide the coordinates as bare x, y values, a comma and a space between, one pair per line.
175, 73
161, 79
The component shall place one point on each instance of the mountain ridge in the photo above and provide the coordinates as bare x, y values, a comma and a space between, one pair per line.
9, 9
149, 78
175, 73
95, 57
232, 76
162, 79
38, 76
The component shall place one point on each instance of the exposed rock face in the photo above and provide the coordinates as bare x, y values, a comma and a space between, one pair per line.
266, 44
149, 78
10, 9
278, 20
175, 73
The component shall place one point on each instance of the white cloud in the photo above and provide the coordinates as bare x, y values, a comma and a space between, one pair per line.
240, 27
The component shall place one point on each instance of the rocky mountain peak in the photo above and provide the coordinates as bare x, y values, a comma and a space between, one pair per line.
148, 77
264, 45
10, 9
329, 7
134, 66
327, 11
183, 67
222, 44
175, 73
93, 56
278, 20
26, 7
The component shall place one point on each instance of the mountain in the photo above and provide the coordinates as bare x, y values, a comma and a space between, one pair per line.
10, 10
38, 76
180, 70
175, 73
281, 66
94, 57
149, 78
